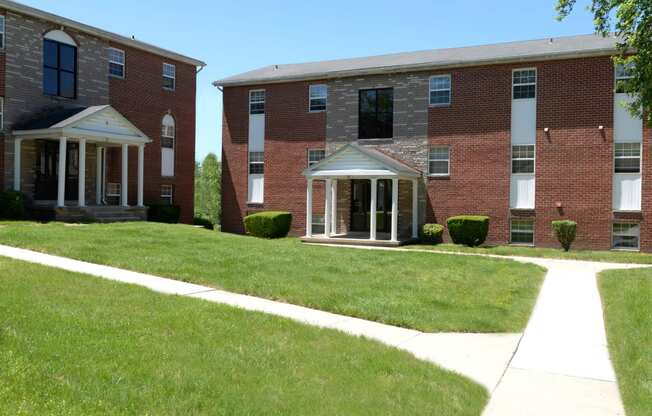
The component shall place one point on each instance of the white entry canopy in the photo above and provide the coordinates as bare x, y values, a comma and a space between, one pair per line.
355, 161
101, 123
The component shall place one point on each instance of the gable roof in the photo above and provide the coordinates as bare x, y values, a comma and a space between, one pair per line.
522, 51
62, 21
353, 160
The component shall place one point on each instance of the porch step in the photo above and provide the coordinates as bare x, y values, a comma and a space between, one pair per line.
104, 214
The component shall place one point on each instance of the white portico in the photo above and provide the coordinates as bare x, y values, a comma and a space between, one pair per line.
101, 127
372, 180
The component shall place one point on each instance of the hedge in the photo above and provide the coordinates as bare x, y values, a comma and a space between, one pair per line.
268, 224
431, 233
12, 205
164, 213
206, 223
470, 230
565, 231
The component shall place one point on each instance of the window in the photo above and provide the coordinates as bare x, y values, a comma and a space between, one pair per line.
59, 69
315, 156
116, 63
627, 158
524, 83
2, 32
626, 236
438, 161
376, 114
318, 224
523, 158
257, 102
318, 94
169, 76
624, 73
440, 90
522, 231
256, 163
166, 194
167, 132
113, 189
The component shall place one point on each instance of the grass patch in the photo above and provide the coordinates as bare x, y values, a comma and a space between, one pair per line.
75, 344
627, 300
425, 291
550, 253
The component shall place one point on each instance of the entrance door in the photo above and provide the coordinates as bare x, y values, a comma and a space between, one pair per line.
47, 169
361, 204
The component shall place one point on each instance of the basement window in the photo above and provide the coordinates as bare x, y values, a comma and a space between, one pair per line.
318, 224
522, 231
113, 189
626, 236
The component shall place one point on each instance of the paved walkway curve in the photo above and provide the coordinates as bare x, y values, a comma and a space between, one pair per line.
559, 366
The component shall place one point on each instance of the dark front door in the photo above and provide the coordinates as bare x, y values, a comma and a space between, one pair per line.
361, 205
47, 168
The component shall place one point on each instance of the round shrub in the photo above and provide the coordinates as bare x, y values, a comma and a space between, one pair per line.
268, 224
431, 233
12, 205
470, 230
565, 232
206, 223
164, 213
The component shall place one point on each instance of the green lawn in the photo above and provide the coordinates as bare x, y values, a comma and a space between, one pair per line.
77, 345
551, 253
627, 300
429, 292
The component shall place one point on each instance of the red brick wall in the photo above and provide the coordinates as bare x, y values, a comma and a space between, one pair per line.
2, 135
141, 98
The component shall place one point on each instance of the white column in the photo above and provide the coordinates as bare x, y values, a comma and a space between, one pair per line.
141, 174
124, 194
309, 209
81, 197
334, 207
372, 209
61, 188
394, 209
327, 208
415, 208
98, 175
17, 160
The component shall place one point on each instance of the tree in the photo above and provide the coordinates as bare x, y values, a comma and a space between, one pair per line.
198, 194
208, 189
631, 22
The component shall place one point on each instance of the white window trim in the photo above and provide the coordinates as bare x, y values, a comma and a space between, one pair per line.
448, 173
264, 101
637, 248
116, 186
511, 231
533, 158
640, 159
536, 79
315, 150
123, 63
257, 162
173, 78
310, 98
3, 31
169, 196
449, 89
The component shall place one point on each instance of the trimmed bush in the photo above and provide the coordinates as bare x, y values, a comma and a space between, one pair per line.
431, 233
565, 232
206, 223
470, 230
12, 205
268, 224
168, 214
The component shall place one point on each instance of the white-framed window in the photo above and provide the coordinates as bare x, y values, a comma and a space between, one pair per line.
113, 189
168, 131
522, 231
523, 158
624, 73
2, 113
116, 63
169, 76
524, 83
318, 224
440, 90
626, 236
167, 192
439, 161
256, 163
627, 158
315, 156
2, 32
257, 102
318, 94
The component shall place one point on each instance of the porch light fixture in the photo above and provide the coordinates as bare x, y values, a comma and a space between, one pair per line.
546, 130
600, 127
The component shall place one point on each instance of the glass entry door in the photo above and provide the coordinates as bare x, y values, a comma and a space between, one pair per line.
361, 204
47, 171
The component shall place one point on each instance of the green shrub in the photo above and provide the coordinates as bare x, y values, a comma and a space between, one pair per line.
164, 213
470, 230
269, 224
206, 223
431, 233
12, 205
565, 231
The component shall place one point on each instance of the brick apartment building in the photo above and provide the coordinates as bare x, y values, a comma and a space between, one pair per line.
524, 132
93, 124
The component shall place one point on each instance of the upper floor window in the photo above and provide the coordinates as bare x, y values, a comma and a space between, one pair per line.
116, 62
524, 83
257, 102
376, 114
2, 32
627, 158
318, 94
169, 76
315, 156
439, 161
440, 90
167, 131
59, 65
624, 73
523, 158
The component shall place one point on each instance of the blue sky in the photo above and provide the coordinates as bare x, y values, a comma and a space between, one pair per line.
236, 36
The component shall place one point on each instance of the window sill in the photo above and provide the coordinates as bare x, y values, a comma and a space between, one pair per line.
522, 244
116, 76
169, 89
439, 105
255, 204
316, 111
441, 177
631, 250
